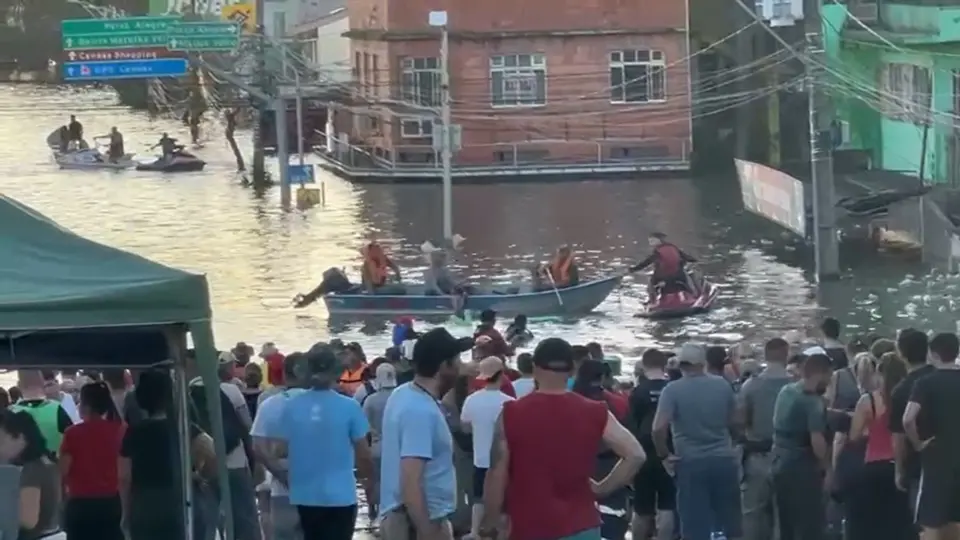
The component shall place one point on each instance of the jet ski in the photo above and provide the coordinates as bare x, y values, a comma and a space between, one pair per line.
92, 158
674, 300
178, 161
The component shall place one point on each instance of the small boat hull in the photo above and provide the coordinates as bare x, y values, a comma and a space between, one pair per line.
577, 300
175, 167
91, 159
677, 306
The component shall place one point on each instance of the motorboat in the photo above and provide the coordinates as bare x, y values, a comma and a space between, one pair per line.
342, 298
675, 300
92, 158
179, 161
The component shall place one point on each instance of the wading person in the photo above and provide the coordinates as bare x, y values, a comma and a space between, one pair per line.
757, 400
931, 427
801, 455
418, 488
324, 436
544, 455
88, 462
700, 411
913, 346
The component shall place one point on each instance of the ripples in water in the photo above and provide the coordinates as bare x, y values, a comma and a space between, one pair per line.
258, 256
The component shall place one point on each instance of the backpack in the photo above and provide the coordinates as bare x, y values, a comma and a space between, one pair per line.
233, 430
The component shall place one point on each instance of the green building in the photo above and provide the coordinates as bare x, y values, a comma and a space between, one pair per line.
894, 75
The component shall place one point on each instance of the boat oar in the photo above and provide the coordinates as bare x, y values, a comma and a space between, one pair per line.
555, 289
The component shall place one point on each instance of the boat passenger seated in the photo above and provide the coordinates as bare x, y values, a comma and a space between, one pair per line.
562, 272
668, 262
376, 271
437, 278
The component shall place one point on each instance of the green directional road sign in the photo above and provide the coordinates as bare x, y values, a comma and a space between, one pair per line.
203, 43
149, 32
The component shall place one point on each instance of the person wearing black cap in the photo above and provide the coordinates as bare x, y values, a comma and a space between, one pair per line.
418, 488
544, 453
668, 265
325, 435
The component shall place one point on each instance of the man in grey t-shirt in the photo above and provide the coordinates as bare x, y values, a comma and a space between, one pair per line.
373, 407
756, 401
700, 411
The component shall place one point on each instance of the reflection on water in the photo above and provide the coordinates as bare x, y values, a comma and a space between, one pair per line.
257, 256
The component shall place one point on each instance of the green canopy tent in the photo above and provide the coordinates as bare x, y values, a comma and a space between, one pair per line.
66, 301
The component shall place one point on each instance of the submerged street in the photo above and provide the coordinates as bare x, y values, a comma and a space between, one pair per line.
257, 256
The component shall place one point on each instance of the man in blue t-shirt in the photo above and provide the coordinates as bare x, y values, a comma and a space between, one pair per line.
416, 445
326, 438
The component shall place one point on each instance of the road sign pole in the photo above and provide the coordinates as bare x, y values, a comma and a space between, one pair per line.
283, 151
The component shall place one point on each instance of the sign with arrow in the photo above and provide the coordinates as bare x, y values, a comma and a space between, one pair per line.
143, 40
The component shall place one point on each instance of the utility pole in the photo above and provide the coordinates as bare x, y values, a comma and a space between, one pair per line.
260, 82
300, 150
821, 147
283, 151
439, 19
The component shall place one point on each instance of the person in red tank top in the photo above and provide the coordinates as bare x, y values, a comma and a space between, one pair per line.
544, 453
873, 505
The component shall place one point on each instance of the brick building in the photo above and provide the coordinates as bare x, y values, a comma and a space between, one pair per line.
538, 82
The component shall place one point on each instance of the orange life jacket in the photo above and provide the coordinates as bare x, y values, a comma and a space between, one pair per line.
375, 263
560, 270
350, 381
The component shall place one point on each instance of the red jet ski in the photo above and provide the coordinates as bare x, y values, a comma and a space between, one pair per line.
676, 300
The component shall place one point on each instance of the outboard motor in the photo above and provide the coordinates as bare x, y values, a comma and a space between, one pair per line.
334, 281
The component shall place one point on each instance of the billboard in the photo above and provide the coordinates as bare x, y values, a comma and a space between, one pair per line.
773, 194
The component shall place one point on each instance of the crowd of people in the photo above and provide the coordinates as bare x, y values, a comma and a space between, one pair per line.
447, 437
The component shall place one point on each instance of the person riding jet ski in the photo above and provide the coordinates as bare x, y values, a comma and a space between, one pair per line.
168, 146
668, 265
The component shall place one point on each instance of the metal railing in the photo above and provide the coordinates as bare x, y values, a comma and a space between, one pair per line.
500, 158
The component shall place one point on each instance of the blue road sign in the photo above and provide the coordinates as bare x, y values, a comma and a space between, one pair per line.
124, 69
300, 174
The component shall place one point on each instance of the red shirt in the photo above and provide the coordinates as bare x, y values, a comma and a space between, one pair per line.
94, 448
619, 404
274, 364
505, 386
553, 441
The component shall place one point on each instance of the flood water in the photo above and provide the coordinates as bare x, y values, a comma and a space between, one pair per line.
258, 256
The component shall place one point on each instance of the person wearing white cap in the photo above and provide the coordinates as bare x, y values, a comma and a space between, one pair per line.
700, 411
479, 415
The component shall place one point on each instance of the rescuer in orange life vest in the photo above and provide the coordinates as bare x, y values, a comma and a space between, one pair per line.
376, 267
563, 269
668, 265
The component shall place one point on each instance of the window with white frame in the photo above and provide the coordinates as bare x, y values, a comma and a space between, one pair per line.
413, 128
518, 80
420, 81
637, 76
906, 92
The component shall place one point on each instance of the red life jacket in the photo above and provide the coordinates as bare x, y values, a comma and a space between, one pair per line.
553, 441
669, 261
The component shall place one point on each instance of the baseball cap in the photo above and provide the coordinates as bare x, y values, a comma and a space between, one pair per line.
810, 351
554, 354
693, 354
268, 349
320, 362
226, 357
386, 376
489, 368
437, 346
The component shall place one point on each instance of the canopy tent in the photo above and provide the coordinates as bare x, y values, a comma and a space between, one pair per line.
69, 301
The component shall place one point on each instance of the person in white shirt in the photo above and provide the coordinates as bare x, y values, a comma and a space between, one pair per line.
525, 384
479, 416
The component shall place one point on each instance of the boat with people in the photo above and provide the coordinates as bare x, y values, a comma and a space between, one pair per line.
92, 159
553, 290
675, 300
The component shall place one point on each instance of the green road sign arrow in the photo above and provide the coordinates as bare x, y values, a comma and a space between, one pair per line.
204, 43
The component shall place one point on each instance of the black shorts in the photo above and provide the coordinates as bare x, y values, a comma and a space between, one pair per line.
327, 522
938, 498
653, 489
479, 477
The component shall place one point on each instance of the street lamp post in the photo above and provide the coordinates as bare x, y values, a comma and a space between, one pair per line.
438, 19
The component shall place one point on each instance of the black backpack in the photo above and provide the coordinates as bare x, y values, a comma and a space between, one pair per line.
233, 430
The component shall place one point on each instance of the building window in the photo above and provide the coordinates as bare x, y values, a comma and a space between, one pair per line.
518, 80
279, 24
415, 128
420, 81
357, 59
375, 90
637, 76
908, 92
